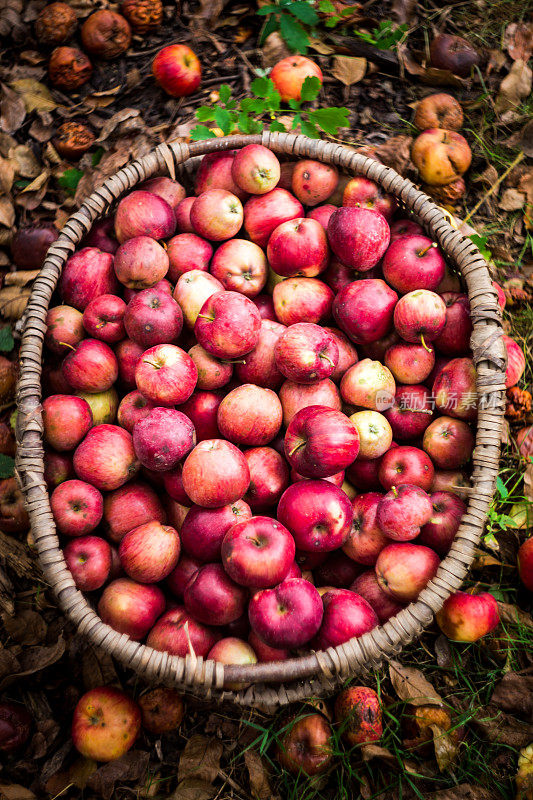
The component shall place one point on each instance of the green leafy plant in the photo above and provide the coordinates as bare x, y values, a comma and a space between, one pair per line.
386, 36
7, 343
7, 466
252, 114
288, 17
69, 180
333, 17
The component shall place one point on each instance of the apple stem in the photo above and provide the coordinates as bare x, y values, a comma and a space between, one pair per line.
427, 249
328, 359
205, 316
394, 490
233, 361
424, 345
152, 364
189, 643
66, 344
297, 447
418, 410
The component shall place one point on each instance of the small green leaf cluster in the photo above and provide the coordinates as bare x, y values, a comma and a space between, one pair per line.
251, 114
289, 17
386, 36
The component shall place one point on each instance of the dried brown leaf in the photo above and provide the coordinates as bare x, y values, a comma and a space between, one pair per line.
410, 684
446, 747
35, 95
7, 175
200, 759
12, 110
131, 767
396, 153
512, 615
15, 791
496, 726
518, 40
515, 87
258, 775
194, 789
464, 791
371, 751
24, 161
34, 659
274, 49
27, 627
7, 212
514, 694
428, 75
20, 278
321, 47
13, 300
210, 10
512, 200
97, 668
403, 10
113, 122
349, 70
528, 482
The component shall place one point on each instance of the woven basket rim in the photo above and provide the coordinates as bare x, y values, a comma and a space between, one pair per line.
318, 672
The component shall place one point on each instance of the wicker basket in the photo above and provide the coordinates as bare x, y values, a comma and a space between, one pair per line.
318, 673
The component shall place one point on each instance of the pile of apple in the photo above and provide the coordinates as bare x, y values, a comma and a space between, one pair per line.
247, 474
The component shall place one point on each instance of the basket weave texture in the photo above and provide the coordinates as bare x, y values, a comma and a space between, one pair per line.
318, 673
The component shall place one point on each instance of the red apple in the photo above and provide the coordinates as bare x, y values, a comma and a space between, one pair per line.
306, 353
403, 569
102, 235
86, 275
259, 365
212, 598
106, 457
203, 529
264, 213
150, 552
411, 413
364, 193
181, 574
104, 318
467, 617
212, 372
269, 477
228, 325
142, 213
439, 532
91, 367
131, 505
375, 433
105, 724
449, 442
364, 310
215, 473
525, 563
131, 608
368, 587
173, 483
250, 415
440, 363
202, 408
409, 363
501, 294
313, 181
66, 420
133, 407
346, 615
166, 375
420, 316
217, 215
265, 306
366, 540
191, 292
258, 552
162, 710
296, 396
322, 214
453, 481
185, 252
302, 300
413, 262
288, 615
232, 650
347, 353
163, 438
255, 169
364, 472
306, 745
264, 652
317, 513
320, 442
128, 354
337, 275
170, 190
57, 468
240, 266
337, 571
406, 465
152, 317
404, 227
141, 262
376, 350
368, 384
289, 76
516, 362
179, 634
177, 70
358, 236
358, 712
214, 172
77, 507
298, 247
403, 511
454, 339
89, 560
64, 329
103, 405
13, 515
454, 389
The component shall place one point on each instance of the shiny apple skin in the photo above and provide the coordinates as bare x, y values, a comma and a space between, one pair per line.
317, 513
320, 442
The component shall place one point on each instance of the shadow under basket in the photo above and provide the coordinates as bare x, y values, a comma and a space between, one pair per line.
317, 673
